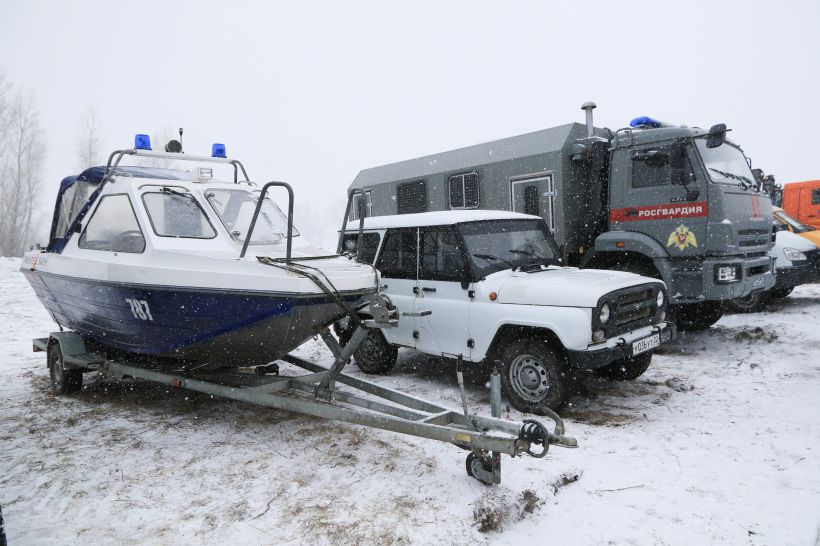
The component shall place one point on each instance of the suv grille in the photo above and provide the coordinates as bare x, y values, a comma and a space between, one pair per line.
631, 308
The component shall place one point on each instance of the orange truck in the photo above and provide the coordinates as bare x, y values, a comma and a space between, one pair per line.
801, 200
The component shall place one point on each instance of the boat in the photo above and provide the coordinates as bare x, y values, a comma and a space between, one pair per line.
187, 268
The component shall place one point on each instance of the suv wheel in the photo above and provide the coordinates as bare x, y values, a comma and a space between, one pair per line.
533, 377
626, 369
375, 355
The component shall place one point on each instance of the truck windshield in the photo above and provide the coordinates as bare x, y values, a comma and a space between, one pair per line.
235, 209
495, 245
726, 164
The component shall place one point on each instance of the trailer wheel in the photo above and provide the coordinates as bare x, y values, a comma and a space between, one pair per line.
476, 467
533, 377
626, 369
375, 355
754, 302
694, 317
781, 292
63, 381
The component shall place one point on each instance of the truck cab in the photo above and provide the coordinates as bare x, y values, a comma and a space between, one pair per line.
486, 286
685, 207
801, 200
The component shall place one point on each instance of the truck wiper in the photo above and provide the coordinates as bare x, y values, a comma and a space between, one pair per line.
744, 181
493, 258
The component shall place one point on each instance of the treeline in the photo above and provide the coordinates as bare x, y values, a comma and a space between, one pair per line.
22, 152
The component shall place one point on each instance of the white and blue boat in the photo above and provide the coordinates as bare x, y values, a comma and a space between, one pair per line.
175, 267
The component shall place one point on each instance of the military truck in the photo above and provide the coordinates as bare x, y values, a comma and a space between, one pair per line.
672, 202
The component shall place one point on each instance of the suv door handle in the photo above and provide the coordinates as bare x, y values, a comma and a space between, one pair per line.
416, 290
428, 289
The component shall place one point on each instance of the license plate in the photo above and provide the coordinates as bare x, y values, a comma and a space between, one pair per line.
645, 344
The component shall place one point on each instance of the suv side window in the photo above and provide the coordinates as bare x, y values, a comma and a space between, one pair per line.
369, 246
397, 259
113, 227
440, 257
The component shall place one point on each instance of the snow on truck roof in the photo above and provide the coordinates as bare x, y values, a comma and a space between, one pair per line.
438, 218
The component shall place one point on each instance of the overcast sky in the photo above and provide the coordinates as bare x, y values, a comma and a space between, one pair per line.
313, 92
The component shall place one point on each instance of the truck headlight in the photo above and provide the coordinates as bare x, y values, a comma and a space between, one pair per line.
603, 313
725, 274
793, 254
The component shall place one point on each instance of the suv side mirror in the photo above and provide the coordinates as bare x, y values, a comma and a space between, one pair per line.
716, 136
677, 163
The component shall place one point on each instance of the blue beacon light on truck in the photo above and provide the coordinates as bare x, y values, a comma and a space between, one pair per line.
218, 150
645, 121
142, 142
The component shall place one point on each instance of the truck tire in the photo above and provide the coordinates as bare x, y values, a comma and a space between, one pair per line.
694, 317
63, 381
753, 302
626, 369
781, 292
533, 377
375, 355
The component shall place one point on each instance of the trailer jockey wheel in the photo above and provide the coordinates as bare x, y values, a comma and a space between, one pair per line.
484, 468
63, 381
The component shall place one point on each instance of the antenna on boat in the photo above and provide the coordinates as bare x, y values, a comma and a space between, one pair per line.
180, 140
175, 146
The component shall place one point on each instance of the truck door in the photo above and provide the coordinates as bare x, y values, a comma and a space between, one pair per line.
645, 201
534, 195
441, 267
809, 203
397, 262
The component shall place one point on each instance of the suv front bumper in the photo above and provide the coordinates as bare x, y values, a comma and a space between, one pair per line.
593, 359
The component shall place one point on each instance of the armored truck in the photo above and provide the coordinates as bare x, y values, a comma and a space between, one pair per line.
672, 202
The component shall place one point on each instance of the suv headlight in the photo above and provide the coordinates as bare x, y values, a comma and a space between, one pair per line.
725, 274
793, 254
661, 299
603, 313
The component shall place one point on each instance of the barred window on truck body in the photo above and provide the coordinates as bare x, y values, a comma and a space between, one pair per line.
411, 197
463, 191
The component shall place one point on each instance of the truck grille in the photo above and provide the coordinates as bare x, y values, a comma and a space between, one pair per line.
631, 308
754, 237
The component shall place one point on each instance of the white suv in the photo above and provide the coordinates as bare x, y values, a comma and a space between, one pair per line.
489, 285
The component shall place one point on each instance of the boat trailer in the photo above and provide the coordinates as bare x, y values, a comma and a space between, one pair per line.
330, 394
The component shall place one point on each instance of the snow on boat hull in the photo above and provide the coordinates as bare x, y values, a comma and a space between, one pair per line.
226, 328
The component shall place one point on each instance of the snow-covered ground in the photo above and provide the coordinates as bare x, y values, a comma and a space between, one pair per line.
719, 442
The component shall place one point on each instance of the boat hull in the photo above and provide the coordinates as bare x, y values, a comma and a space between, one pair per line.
206, 326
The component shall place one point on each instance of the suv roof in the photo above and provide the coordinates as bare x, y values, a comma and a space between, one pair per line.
438, 218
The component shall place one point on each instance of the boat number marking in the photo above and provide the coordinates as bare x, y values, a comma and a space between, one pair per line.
139, 308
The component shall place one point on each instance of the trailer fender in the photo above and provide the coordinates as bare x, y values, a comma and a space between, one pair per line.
618, 242
71, 345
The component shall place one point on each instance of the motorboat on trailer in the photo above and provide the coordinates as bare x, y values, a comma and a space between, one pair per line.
177, 267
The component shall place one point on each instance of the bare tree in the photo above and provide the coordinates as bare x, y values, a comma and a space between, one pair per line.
23, 150
89, 143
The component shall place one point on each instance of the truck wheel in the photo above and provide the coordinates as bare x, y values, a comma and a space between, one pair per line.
626, 369
533, 377
375, 355
694, 317
751, 303
63, 381
781, 292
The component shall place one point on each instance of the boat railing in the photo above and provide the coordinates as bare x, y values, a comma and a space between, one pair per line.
256, 216
117, 155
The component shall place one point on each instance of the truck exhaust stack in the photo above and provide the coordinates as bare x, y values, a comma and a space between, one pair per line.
588, 107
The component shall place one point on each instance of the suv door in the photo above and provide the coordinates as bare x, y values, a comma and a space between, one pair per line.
647, 202
442, 262
397, 262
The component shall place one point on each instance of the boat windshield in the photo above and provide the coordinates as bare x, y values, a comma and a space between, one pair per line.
235, 208
797, 227
726, 164
495, 245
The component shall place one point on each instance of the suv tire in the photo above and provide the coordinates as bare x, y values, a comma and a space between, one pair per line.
534, 376
626, 369
375, 355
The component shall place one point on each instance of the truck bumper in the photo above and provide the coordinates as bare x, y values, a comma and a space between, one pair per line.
697, 285
593, 359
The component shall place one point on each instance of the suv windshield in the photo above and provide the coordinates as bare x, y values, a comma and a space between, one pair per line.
726, 164
495, 245
235, 209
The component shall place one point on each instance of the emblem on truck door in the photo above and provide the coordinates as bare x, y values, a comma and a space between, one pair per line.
682, 238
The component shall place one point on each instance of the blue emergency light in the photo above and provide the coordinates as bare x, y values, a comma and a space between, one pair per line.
142, 142
645, 121
218, 150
